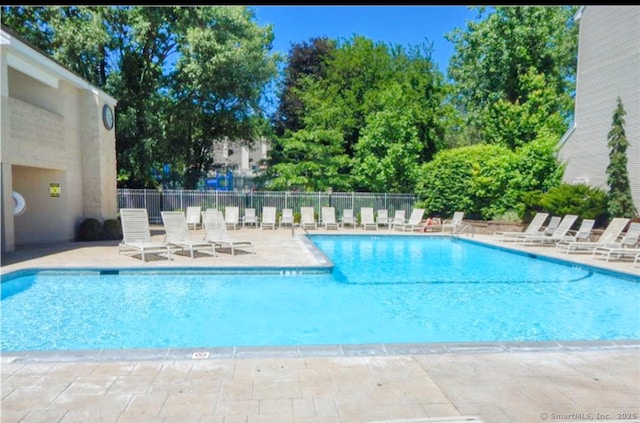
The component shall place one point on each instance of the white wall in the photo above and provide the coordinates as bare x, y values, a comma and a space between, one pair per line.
608, 67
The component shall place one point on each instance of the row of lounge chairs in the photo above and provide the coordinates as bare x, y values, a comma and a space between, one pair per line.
613, 243
328, 219
136, 234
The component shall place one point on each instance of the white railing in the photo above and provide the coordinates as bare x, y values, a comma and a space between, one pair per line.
464, 228
156, 201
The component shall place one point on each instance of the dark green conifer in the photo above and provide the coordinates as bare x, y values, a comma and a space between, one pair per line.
619, 198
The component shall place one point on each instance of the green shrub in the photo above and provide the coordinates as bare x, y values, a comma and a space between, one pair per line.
486, 181
471, 179
579, 199
112, 229
90, 229
508, 216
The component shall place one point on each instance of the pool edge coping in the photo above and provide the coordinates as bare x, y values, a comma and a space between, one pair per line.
315, 351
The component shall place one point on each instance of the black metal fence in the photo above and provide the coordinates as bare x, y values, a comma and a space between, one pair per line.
156, 201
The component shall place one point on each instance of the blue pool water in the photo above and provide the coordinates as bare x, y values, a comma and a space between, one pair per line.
390, 289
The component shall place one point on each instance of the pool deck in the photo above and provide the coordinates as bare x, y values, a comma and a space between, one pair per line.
493, 382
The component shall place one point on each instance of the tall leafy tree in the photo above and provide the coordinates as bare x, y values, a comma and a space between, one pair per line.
386, 156
495, 65
383, 102
143, 43
30, 23
315, 160
306, 59
518, 123
184, 77
339, 100
216, 85
75, 36
619, 198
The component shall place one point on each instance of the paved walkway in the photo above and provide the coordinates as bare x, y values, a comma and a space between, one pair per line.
495, 382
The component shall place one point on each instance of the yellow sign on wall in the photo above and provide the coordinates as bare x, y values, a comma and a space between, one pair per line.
54, 190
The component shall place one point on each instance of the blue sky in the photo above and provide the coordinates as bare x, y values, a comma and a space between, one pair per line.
405, 25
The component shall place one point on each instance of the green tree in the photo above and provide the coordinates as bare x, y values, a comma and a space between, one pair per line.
495, 65
143, 42
619, 198
383, 102
216, 85
28, 23
75, 36
184, 77
306, 59
517, 123
314, 161
339, 100
386, 154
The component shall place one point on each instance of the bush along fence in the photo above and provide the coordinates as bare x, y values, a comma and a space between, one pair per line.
156, 201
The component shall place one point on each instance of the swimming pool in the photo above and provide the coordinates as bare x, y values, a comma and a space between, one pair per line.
383, 289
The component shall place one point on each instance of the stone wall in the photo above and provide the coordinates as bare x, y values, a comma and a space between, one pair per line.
490, 227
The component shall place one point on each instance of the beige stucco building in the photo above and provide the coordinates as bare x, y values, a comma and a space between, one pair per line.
57, 148
608, 67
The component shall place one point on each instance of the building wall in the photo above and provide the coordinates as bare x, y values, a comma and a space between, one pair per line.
55, 151
46, 218
608, 67
244, 160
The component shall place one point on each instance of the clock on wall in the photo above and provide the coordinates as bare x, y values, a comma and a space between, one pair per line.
107, 116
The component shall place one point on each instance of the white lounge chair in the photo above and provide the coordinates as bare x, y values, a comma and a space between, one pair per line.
398, 218
216, 233
287, 218
609, 236
329, 218
307, 218
250, 217
367, 220
177, 233
627, 247
232, 217
583, 234
455, 222
413, 224
193, 216
136, 234
558, 235
552, 226
268, 220
348, 218
383, 218
533, 228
